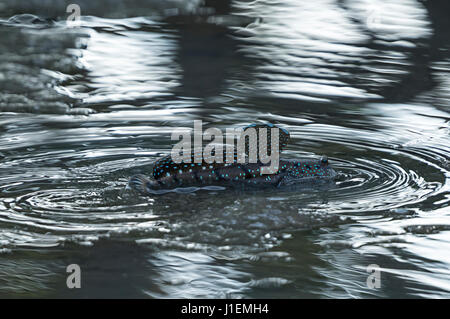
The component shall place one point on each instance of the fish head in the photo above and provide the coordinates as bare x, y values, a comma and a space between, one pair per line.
307, 170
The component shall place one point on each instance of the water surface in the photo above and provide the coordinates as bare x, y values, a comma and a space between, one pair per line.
84, 108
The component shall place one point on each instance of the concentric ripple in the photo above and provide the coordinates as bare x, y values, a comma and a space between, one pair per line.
394, 175
89, 197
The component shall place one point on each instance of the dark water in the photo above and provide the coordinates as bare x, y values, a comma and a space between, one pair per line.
84, 108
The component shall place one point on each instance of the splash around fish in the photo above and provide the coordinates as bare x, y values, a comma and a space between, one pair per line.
244, 170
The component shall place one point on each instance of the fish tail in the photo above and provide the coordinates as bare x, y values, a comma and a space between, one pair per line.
140, 183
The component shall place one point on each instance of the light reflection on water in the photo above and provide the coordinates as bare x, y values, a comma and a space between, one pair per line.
84, 109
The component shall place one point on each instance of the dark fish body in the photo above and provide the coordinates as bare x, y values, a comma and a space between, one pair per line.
290, 172
168, 175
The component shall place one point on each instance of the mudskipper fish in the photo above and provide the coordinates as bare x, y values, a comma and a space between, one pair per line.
168, 175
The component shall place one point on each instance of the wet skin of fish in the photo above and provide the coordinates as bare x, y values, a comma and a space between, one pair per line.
168, 175
290, 172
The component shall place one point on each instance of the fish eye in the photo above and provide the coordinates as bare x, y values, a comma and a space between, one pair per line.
324, 159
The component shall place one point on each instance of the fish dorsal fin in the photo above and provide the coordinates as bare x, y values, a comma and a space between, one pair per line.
283, 137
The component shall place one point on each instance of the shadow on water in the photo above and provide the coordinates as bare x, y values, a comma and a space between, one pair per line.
420, 76
206, 51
